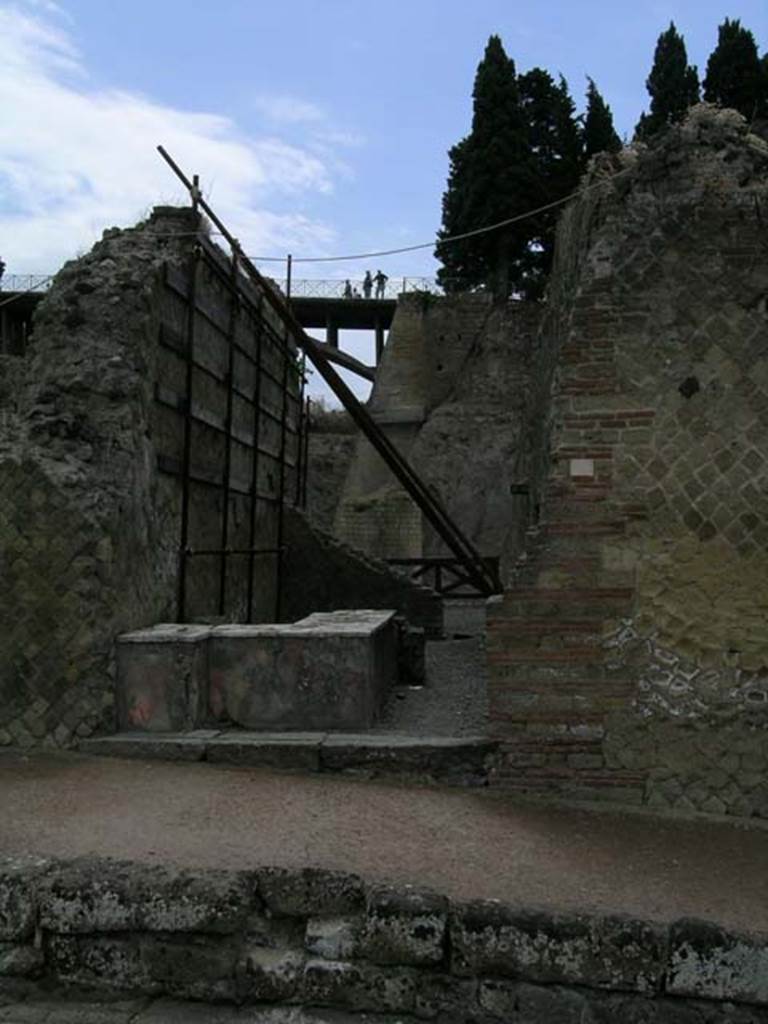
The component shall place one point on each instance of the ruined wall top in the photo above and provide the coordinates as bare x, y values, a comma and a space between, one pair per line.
711, 158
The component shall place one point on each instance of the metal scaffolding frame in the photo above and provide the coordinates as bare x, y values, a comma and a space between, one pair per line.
480, 573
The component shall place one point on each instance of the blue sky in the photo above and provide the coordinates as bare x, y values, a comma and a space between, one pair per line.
317, 126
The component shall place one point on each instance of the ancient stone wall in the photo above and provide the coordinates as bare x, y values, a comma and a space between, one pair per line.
322, 574
89, 526
449, 393
328, 461
325, 939
630, 658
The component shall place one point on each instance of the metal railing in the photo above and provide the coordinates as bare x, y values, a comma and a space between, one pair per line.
318, 288
25, 282
303, 288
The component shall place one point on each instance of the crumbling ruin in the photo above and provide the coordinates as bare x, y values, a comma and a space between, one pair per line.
122, 505
629, 656
609, 447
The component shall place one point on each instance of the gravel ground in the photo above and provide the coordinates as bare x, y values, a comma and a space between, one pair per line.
454, 699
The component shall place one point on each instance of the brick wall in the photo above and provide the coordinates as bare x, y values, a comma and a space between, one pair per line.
629, 660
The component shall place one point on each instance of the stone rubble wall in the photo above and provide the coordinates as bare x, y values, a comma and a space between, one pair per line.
328, 462
322, 574
629, 659
89, 526
319, 938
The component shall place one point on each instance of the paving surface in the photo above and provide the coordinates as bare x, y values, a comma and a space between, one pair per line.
454, 701
466, 843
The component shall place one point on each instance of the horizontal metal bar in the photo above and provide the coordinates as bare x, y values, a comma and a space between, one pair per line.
233, 551
171, 399
168, 339
208, 478
274, 337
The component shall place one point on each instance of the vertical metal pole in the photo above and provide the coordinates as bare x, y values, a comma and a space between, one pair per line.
281, 493
303, 425
187, 450
379, 339
234, 311
255, 458
305, 463
288, 274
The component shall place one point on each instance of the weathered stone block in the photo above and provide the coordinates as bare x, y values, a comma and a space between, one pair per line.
707, 962
97, 896
194, 966
103, 962
281, 751
17, 898
162, 678
310, 892
270, 975
359, 986
168, 747
20, 961
521, 1002
332, 938
465, 759
599, 952
328, 671
403, 926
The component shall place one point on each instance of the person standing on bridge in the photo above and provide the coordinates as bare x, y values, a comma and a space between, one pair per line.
347, 290
2, 268
367, 284
381, 284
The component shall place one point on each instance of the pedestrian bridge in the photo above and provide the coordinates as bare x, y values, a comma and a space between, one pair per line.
341, 304
318, 304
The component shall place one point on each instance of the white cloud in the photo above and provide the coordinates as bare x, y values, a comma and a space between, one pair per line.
75, 160
288, 109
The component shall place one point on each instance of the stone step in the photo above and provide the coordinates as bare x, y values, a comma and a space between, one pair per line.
465, 760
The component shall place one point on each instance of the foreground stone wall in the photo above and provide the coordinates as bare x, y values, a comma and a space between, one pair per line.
326, 939
630, 658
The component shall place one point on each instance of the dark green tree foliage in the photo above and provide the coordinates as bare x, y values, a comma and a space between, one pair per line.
673, 85
599, 134
735, 76
489, 179
556, 153
524, 150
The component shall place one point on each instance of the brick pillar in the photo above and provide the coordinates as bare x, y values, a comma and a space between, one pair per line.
552, 685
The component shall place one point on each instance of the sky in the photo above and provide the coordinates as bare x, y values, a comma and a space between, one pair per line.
319, 127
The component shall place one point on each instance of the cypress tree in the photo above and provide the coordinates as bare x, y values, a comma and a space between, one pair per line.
735, 75
488, 182
673, 85
557, 161
599, 134
524, 150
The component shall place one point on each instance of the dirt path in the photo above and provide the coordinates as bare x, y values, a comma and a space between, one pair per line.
465, 843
